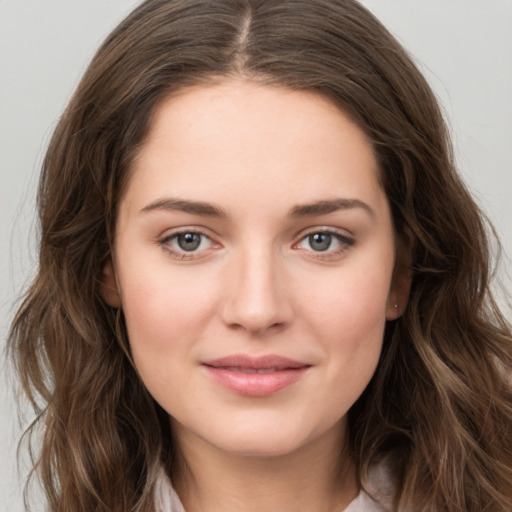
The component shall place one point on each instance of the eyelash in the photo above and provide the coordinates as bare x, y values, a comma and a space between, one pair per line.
182, 254
345, 243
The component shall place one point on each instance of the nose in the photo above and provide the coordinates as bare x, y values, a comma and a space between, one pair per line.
256, 295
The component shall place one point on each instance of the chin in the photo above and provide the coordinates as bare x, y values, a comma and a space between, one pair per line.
264, 440
261, 446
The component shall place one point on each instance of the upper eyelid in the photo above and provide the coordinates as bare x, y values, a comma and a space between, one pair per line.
171, 232
343, 233
170, 236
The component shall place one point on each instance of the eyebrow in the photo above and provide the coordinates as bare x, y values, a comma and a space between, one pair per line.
330, 206
322, 207
181, 205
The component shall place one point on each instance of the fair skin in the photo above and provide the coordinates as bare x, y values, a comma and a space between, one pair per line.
254, 227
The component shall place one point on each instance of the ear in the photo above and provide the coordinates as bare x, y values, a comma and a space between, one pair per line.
109, 289
402, 278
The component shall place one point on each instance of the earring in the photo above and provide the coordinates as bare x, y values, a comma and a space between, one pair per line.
396, 306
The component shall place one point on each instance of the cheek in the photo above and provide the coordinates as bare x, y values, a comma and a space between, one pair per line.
351, 300
165, 313
347, 317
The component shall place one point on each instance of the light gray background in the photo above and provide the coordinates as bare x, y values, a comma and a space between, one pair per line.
463, 46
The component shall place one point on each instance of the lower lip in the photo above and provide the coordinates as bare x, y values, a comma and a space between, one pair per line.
256, 384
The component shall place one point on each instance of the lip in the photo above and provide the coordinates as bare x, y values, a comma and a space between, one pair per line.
255, 376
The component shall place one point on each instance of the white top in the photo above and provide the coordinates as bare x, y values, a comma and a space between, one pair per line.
168, 501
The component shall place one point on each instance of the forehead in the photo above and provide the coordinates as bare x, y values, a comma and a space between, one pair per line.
241, 139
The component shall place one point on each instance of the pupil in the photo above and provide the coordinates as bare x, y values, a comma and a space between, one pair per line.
189, 241
320, 241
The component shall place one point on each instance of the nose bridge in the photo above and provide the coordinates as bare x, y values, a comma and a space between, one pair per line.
255, 298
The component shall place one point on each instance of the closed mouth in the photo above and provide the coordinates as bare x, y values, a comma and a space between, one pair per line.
255, 376
256, 370
260, 364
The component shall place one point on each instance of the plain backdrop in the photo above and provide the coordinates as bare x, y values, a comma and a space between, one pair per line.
463, 46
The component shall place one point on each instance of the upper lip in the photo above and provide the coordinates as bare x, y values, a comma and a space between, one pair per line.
255, 363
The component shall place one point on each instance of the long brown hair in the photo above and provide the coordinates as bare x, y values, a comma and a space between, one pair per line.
440, 400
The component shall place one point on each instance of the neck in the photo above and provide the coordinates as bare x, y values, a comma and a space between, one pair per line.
319, 476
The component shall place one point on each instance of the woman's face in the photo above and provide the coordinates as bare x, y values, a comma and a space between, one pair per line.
254, 259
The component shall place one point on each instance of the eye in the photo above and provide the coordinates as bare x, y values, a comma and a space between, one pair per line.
186, 244
189, 241
320, 241
326, 244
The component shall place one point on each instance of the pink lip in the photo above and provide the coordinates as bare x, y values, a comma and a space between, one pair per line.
255, 376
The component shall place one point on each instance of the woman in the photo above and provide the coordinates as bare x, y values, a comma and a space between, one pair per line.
262, 284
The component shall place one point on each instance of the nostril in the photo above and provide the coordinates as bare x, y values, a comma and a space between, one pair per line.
255, 326
239, 316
